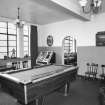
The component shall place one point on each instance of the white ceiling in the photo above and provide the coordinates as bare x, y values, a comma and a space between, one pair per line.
35, 11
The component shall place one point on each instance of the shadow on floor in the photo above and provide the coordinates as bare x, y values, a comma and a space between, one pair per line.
82, 92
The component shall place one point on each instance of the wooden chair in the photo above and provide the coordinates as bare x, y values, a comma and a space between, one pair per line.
102, 75
88, 71
95, 69
91, 71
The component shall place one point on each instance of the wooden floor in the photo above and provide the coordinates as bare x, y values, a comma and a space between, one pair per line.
82, 92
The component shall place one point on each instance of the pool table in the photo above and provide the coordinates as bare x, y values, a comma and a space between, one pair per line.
30, 86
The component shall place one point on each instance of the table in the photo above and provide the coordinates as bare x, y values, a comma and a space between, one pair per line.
30, 86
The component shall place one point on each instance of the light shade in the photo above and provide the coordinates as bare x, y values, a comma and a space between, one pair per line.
97, 3
90, 6
83, 2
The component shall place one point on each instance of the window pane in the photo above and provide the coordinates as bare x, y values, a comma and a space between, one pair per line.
3, 43
11, 48
25, 29
10, 51
25, 48
25, 32
11, 31
25, 52
3, 24
12, 43
25, 38
3, 49
11, 26
3, 37
2, 55
25, 43
11, 37
66, 41
3, 30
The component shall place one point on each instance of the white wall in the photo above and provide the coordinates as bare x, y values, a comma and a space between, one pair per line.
84, 31
90, 54
58, 31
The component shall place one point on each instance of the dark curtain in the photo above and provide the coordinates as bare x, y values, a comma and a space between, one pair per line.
33, 45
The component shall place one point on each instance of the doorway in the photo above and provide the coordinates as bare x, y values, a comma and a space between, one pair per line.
70, 51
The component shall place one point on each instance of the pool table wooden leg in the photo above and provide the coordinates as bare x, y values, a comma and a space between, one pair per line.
66, 88
37, 101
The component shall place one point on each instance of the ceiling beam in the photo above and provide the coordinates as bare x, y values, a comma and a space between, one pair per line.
73, 7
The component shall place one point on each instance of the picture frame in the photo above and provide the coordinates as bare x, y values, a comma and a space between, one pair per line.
50, 40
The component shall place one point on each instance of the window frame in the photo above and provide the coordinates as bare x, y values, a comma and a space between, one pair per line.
7, 41
27, 36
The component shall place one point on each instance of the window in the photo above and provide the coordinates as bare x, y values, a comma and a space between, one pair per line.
12, 39
26, 31
8, 39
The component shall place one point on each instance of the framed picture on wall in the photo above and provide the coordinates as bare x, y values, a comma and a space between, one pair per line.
50, 40
100, 39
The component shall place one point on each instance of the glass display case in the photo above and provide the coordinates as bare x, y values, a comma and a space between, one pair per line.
100, 38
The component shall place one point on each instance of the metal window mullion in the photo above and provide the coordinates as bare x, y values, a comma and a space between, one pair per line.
12, 40
3, 33
12, 46
3, 46
7, 41
3, 40
3, 52
16, 40
12, 34
28, 40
